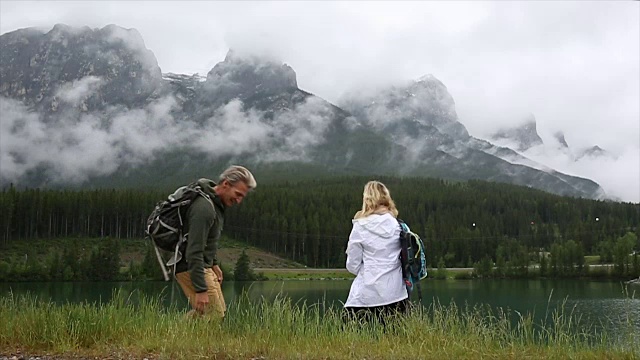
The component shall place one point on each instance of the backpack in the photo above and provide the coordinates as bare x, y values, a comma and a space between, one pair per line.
165, 223
412, 258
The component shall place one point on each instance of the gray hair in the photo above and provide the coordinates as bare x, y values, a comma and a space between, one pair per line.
236, 173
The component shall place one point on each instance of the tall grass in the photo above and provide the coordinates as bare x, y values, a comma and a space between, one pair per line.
281, 329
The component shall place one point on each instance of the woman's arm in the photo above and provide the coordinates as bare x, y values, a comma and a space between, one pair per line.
354, 253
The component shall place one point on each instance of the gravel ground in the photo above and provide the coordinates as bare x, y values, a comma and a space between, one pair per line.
20, 356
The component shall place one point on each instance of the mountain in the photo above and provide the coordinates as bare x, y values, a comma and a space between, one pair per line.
54, 70
525, 139
595, 152
91, 107
559, 137
525, 136
420, 117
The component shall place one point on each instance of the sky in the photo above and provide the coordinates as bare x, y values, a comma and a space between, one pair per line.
573, 65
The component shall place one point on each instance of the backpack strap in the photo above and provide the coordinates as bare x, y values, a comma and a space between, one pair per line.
417, 284
404, 258
177, 255
165, 272
412, 262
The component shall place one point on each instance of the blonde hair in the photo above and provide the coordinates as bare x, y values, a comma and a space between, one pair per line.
376, 199
236, 173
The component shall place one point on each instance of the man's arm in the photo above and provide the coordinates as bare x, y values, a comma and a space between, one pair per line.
201, 218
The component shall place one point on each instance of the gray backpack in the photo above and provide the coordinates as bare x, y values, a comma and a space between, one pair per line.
165, 225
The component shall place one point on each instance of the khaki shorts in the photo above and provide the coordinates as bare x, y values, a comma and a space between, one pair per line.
216, 306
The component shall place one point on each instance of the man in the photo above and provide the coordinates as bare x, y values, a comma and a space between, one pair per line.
198, 272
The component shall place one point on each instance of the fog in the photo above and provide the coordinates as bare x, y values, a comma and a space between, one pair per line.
574, 65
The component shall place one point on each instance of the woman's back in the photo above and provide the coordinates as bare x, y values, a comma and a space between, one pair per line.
373, 256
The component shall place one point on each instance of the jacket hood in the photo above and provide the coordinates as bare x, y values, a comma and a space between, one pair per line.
383, 225
207, 186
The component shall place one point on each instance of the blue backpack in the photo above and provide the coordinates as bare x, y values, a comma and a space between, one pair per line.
412, 258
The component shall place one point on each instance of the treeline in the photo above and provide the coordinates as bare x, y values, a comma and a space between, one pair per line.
97, 260
462, 223
42, 213
76, 260
565, 260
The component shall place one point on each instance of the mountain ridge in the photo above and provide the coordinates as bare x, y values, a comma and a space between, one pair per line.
106, 102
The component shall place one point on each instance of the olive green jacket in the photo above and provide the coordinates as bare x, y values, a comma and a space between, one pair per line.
203, 225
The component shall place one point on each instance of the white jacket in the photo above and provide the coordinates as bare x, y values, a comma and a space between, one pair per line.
373, 255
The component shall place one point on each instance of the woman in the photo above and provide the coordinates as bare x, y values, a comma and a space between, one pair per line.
373, 255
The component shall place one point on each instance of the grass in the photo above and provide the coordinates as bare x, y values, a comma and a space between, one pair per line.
340, 274
592, 259
279, 329
306, 274
135, 250
130, 249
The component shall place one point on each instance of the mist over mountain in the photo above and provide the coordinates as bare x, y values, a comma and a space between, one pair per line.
91, 107
554, 152
525, 136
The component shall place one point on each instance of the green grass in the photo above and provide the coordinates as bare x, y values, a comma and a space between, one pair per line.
339, 274
131, 250
280, 329
592, 259
306, 274
42, 248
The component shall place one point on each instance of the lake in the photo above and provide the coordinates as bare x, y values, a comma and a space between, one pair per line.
606, 305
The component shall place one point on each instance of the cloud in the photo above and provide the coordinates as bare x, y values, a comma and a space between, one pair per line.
78, 90
301, 129
617, 172
79, 145
574, 65
21, 134
283, 136
133, 40
139, 134
73, 150
231, 131
619, 175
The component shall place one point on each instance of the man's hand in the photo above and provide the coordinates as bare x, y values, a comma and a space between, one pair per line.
202, 300
216, 270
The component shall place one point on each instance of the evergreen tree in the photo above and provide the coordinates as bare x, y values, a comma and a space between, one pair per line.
484, 267
501, 265
5, 268
71, 262
150, 266
54, 264
623, 248
242, 271
309, 222
544, 264
441, 273
110, 253
554, 262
